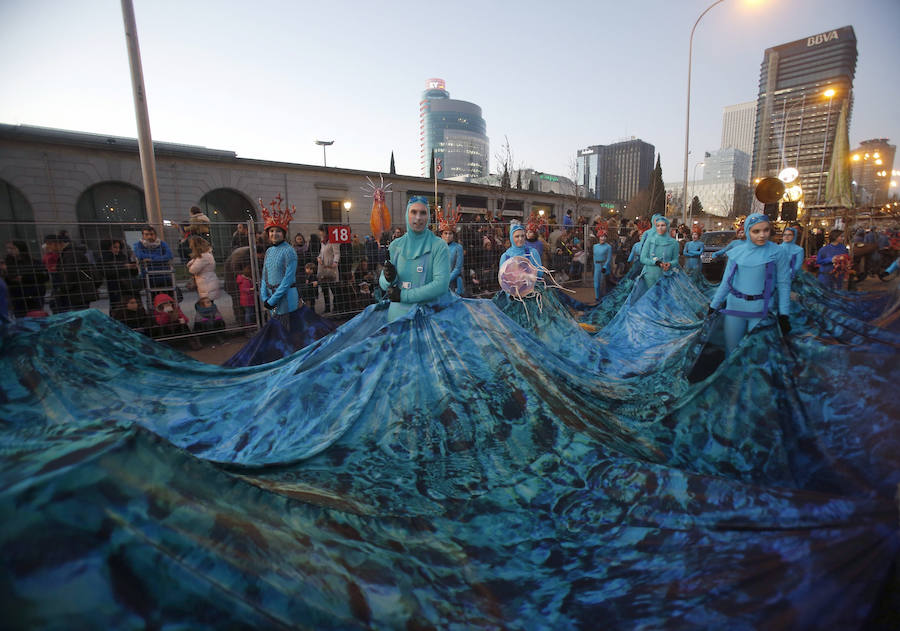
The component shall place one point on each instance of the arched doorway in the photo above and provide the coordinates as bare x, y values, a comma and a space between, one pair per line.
103, 209
17, 220
225, 207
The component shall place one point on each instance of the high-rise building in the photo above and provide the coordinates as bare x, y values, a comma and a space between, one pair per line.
802, 87
454, 131
738, 124
616, 172
872, 167
726, 164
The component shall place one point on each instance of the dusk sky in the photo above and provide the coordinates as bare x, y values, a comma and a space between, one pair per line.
265, 79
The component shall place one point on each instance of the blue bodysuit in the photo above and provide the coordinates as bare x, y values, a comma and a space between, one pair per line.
602, 262
455, 251
692, 252
657, 247
422, 260
756, 278
795, 256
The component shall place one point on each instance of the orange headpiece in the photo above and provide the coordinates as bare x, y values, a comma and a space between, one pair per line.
277, 217
535, 223
446, 222
642, 225
698, 228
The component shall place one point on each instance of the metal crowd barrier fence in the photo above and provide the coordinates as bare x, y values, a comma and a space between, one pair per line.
110, 267
103, 265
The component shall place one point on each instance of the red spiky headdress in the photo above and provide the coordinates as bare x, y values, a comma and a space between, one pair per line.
698, 228
642, 225
535, 223
447, 222
277, 217
602, 228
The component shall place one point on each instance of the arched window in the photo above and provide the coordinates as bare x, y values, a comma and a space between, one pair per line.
110, 210
112, 202
224, 204
17, 219
225, 207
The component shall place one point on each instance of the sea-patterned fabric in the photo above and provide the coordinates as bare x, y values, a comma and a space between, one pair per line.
458, 467
273, 342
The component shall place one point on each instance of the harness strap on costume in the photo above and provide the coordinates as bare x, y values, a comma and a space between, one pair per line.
766, 295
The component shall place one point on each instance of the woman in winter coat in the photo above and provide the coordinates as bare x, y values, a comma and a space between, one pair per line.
202, 267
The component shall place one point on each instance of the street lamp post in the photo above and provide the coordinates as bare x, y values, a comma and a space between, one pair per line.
799, 133
830, 94
347, 206
323, 144
687, 123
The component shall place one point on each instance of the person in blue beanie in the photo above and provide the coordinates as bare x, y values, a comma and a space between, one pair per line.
602, 263
418, 270
519, 248
795, 252
756, 279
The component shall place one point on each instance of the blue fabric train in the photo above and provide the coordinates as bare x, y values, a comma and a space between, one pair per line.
462, 466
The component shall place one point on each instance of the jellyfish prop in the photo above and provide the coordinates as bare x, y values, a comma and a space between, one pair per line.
518, 277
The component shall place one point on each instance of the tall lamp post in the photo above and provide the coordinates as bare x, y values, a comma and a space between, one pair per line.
830, 94
347, 206
324, 144
687, 124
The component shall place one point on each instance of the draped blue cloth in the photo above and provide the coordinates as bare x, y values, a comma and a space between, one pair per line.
468, 465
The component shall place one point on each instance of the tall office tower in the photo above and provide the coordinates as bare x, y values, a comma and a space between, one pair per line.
726, 164
738, 123
872, 167
616, 172
802, 87
455, 131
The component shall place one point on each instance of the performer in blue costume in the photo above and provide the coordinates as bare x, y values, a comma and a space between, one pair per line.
758, 273
419, 267
518, 248
739, 240
825, 259
278, 290
447, 230
794, 252
602, 263
692, 251
659, 253
890, 269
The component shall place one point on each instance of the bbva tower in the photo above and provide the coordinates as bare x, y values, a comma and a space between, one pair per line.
452, 131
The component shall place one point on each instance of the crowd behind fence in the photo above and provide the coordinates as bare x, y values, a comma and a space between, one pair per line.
193, 281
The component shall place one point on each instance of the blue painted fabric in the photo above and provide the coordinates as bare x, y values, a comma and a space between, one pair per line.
463, 466
273, 342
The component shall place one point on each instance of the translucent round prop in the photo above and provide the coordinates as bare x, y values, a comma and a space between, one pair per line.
518, 276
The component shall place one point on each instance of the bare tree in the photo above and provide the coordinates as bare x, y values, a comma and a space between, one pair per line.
504, 161
573, 174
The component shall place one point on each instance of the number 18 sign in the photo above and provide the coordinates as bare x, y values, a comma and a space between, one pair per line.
339, 234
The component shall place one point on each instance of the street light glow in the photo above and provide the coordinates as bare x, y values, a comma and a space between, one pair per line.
829, 92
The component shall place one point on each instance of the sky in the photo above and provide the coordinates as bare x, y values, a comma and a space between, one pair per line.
267, 78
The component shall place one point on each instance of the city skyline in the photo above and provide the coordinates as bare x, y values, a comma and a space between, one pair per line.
266, 81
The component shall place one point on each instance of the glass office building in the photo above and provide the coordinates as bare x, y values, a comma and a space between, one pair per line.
455, 131
802, 87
